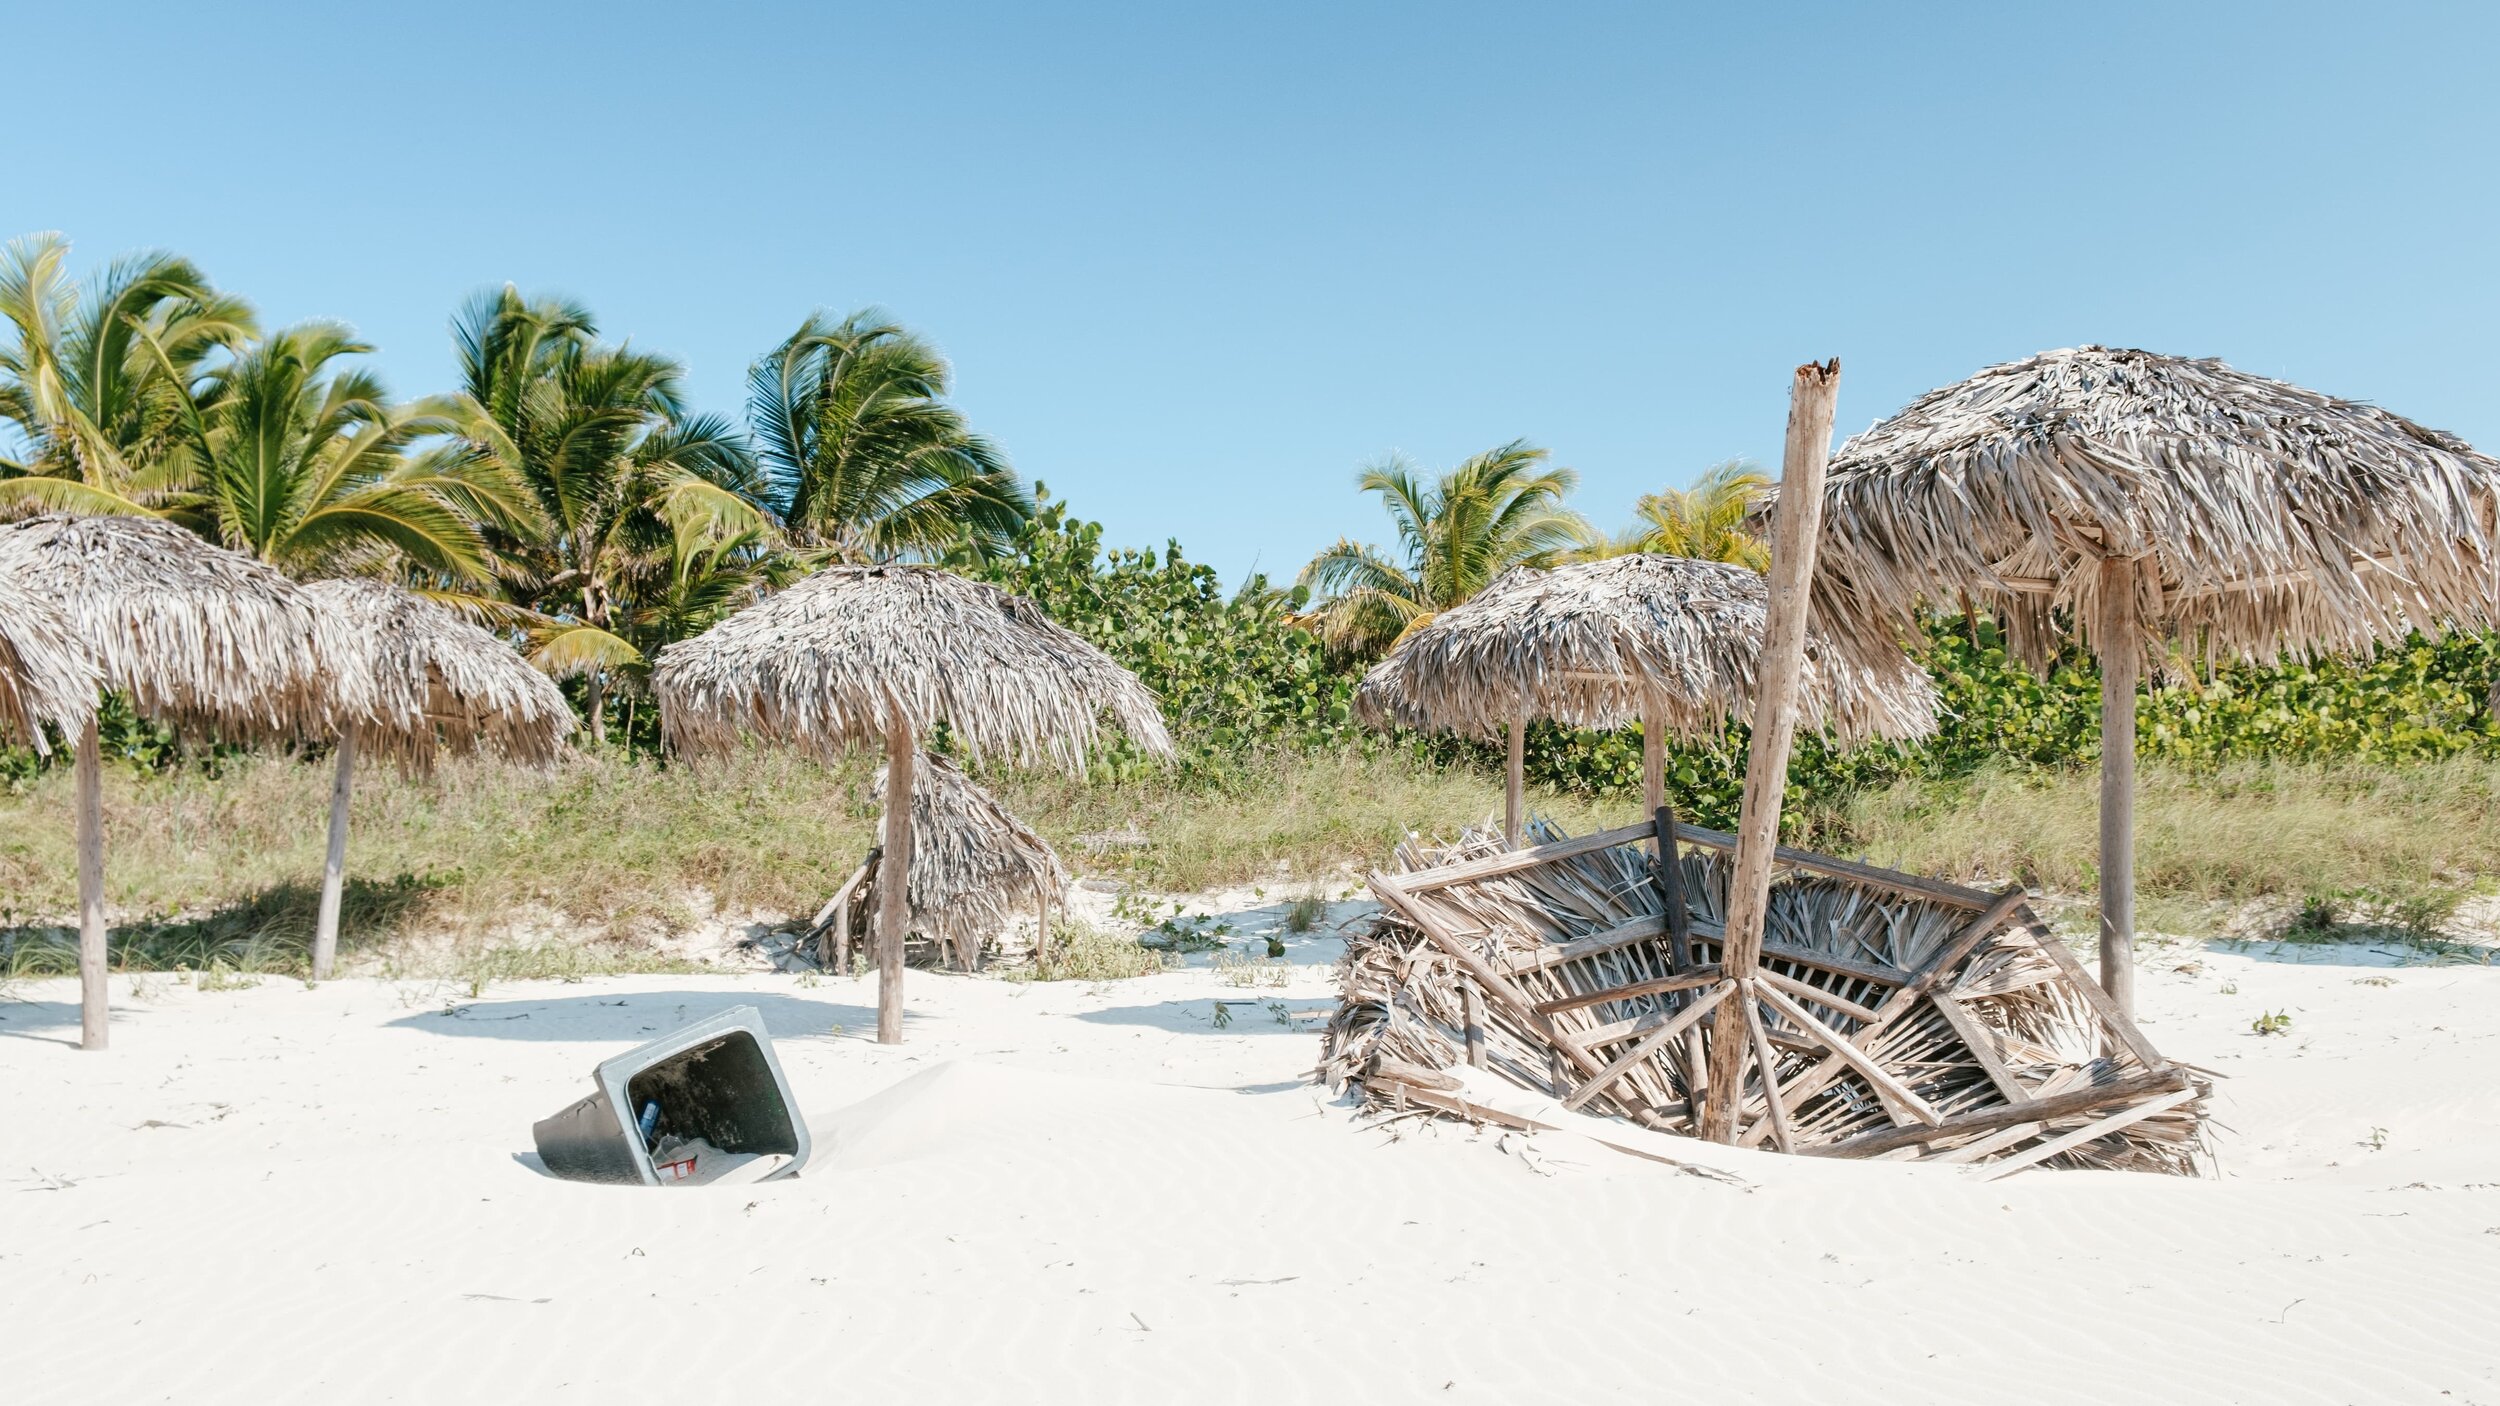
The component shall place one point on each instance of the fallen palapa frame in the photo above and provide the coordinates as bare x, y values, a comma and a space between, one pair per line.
1904, 1018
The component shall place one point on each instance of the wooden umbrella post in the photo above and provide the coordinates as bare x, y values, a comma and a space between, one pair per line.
94, 999
1514, 781
894, 877
2122, 657
1653, 751
334, 865
1799, 531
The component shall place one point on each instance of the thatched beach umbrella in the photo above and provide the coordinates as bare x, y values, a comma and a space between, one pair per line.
863, 654
1670, 642
46, 679
197, 637
435, 683
2136, 501
973, 861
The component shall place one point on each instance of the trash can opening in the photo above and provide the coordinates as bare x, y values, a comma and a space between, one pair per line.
712, 1111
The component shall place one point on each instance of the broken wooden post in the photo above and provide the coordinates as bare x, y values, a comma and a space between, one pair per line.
894, 876
2122, 656
1797, 532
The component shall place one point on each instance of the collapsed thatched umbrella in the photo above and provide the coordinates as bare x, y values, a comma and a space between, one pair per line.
2137, 500
197, 637
435, 682
972, 859
1670, 642
46, 679
858, 654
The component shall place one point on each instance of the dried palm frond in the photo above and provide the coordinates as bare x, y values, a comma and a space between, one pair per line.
439, 682
973, 862
825, 663
1579, 644
2264, 518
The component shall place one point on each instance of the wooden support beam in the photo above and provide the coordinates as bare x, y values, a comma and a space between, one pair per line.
1807, 991
1768, 1062
1933, 971
2040, 1110
1681, 981
1798, 531
1982, 1048
1850, 1054
2123, 1118
1496, 987
1624, 1063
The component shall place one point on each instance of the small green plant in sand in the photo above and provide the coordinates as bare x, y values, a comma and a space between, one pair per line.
1195, 933
1236, 969
2271, 1023
1081, 952
220, 977
560, 961
1223, 1016
1306, 913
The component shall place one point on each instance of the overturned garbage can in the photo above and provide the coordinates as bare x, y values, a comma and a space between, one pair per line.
703, 1105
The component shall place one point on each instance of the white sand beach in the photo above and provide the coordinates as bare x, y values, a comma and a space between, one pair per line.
1099, 1193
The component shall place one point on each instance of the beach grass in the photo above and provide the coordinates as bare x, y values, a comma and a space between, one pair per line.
224, 870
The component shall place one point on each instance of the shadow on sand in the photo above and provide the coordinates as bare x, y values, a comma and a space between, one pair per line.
1246, 1014
631, 1017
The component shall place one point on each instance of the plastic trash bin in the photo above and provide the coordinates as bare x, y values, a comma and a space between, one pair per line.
716, 1079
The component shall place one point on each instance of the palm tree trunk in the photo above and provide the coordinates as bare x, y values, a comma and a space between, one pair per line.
598, 706
334, 864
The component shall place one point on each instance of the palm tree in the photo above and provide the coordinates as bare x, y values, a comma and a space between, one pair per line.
865, 459
304, 465
1497, 510
1706, 521
610, 464
96, 379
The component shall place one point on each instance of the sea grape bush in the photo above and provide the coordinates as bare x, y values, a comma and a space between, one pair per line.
1234, 670
1238, 672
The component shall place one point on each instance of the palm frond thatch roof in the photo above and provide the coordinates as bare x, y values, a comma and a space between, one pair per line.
2265, 518
197, 636
438, 681
973, 862
825, 663
1577, 644
45, 676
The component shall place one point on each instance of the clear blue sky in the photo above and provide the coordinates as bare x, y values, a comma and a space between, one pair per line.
1195, 265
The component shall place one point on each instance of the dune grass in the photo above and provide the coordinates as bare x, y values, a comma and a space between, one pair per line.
204, 871
226, 869
2346, 844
